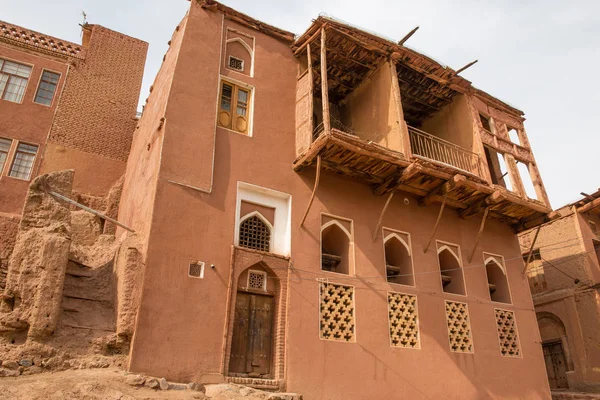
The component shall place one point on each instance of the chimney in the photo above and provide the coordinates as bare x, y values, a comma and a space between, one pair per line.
86, 34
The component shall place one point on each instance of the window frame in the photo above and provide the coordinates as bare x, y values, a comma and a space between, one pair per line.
249, 107
8, 154
498, 258
9, 74
387, 233
55, 89
335, 220
440, 244
14, 158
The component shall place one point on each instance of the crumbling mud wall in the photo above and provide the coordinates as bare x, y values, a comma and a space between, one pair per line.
36, 271
9, 226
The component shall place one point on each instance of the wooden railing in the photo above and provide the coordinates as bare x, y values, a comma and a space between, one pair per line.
426, 145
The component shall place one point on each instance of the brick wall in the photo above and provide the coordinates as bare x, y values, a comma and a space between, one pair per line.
98, 104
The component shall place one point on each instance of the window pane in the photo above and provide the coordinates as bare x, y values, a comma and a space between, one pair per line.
242, 96
3, 80
5, 144
23, 163
16, 69
15, 89
226, 97
45, 91
2, 160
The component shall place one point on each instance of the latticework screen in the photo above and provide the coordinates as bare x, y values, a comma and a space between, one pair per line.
257, 280
336, 312
255, 234
507, 333
403, 319
459, 327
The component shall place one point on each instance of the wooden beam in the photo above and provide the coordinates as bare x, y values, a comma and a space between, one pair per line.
485, 215
393, 181
466, 66
359, 41
324, 88
478, 206
312, 196
592, 204
455, 182
308, 41
408, 35
537, 232
380, 220
437, 222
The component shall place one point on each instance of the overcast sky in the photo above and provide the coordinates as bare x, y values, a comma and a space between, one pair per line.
541, 56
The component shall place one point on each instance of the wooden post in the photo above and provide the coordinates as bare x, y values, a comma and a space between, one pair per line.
513, 173
387, 203
311, 106
485, 214
324, 87
537, 232
436, 223
312, 196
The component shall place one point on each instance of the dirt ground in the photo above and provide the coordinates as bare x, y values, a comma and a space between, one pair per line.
110, 384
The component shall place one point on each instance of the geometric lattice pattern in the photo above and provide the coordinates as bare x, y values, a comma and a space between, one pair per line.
507, 333
255, 234
459, 327
336, 312
196, 269
38, 40
402, 313
257, 280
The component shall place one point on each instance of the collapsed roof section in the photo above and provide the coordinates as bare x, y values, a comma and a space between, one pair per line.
426, 86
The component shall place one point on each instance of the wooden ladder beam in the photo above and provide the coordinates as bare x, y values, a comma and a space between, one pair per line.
455, 182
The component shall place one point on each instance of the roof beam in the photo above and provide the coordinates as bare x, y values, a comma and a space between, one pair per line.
455, 182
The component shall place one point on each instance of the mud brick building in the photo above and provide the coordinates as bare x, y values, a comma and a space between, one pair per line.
332, 213
64, 106
564, 277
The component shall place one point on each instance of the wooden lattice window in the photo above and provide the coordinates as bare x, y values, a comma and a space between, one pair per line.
236, 63
234, 104
459, 327
257, 280
403, 320
336, 312
196, 269
255, 234
507, 333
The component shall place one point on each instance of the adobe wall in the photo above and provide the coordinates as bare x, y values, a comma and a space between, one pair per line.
180, 326
9, 226
26, 121
453, 123
95, 119
373, 112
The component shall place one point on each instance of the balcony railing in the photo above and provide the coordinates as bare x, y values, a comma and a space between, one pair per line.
428, 146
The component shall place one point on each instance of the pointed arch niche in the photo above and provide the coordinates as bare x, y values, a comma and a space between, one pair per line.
497, 279
398, 257
238, 54
451, 271
337, 244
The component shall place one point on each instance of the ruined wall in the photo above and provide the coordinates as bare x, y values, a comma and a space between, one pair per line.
9, 226
372, 112
453, 123
95, 120
36, 273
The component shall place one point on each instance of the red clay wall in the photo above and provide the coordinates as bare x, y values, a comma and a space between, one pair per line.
180, 327
26, 121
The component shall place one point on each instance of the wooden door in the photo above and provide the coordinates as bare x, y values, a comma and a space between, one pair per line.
252, 340
556, 365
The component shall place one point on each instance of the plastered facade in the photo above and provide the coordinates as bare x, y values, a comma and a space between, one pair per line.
181, 194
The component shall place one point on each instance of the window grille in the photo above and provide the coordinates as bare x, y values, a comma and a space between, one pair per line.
507, 333
255, 234
23, 162
459, 327
13, 80
336, 312
402, 315
257, 280
4, 149
47, 87
236, 63
196, 269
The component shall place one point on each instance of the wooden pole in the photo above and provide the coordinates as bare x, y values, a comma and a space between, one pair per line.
408, 35
324, 87
387, 203
311, 106
466, 66
312, 196
436, 223
485, 214
537, 232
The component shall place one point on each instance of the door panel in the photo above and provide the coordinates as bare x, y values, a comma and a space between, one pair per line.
556, 365
252, 341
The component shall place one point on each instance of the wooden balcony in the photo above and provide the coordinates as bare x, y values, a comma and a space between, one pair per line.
439, 181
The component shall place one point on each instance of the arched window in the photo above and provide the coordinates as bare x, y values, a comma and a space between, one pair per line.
255, 233
451, 270
398, 262
336, 251
497, 280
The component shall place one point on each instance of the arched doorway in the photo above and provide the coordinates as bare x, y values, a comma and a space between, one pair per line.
556, 349
252, 337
